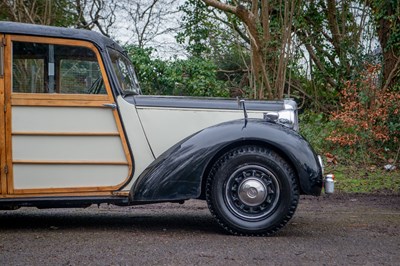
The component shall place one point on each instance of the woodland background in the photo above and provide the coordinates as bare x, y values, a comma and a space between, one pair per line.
339, 59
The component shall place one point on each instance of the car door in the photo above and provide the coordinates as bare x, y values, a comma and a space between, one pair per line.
63, 134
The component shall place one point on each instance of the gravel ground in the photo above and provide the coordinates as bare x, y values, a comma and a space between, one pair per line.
341, 229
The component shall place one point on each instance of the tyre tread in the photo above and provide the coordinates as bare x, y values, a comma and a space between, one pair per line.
273, 155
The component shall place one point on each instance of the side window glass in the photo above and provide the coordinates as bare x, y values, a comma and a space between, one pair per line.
80, 76
28, 68
51, 68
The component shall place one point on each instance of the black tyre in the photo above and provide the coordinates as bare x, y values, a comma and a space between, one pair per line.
252, 191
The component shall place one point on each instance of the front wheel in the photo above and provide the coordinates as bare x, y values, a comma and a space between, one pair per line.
252, 191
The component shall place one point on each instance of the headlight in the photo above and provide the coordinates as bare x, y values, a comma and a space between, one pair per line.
288, 118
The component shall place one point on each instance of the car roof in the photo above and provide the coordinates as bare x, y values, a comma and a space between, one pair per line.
101, 41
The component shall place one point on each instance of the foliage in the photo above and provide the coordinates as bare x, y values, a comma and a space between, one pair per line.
210, 34
196, 27
389, 11
337, 39
316, 127
351, 174
193, 76
352, 179
368, 120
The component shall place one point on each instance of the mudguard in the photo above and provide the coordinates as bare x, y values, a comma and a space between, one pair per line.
177, 174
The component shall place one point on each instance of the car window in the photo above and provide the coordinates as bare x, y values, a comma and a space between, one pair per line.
53, 68
125, 72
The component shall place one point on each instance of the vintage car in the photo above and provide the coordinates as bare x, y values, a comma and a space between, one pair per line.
77, 131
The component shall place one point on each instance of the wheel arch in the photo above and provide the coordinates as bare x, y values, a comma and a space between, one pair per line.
179, 173
241, 143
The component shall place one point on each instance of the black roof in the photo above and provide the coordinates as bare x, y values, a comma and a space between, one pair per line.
96, 38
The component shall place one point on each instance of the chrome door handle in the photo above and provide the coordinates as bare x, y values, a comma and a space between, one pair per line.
110, 105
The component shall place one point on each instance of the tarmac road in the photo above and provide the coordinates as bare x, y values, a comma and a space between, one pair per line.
338, 230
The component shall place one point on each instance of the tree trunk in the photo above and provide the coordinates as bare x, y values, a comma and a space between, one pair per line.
270, 48
390, 56
388, 24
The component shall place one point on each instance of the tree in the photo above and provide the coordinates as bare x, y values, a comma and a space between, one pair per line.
149, 19
268, 26
336, 38
45, 12
95, 14
83, 14
386, 15
220, 38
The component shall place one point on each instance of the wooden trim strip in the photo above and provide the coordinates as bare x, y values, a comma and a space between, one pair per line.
3, 178
70, 162
59, 192
8, 115
124, 193
58, 103
56, 96
84, 134
52, 40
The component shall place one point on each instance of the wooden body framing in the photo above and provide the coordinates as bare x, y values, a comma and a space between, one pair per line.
10, 100
3, 177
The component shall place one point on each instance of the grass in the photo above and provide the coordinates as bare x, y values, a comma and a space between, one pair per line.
350, 179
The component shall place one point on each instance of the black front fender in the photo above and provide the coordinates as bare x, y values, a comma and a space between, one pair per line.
177, 174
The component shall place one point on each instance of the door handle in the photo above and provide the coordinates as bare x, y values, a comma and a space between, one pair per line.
110, 105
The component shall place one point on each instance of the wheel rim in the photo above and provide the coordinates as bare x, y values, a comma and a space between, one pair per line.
252, 192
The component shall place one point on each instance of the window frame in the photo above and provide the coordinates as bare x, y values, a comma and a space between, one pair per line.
132, 71
108, 97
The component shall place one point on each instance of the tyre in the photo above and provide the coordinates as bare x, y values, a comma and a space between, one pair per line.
252, 191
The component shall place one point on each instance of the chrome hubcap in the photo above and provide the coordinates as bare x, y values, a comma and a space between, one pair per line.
252, 192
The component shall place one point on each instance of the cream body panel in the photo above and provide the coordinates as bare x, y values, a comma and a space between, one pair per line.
142, 154
28, 176
68, 148
63, 119
88, 159
164, 127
